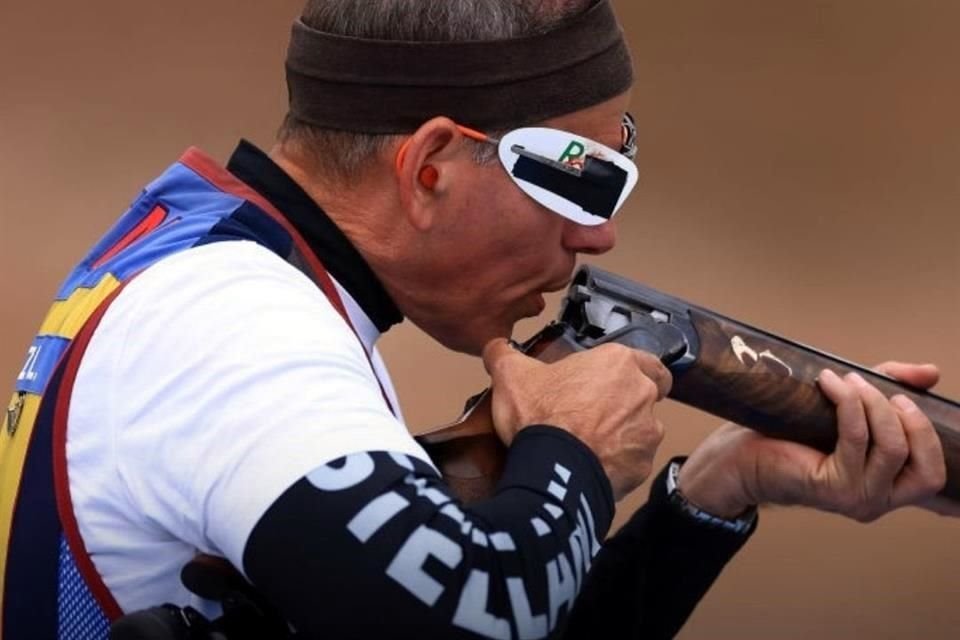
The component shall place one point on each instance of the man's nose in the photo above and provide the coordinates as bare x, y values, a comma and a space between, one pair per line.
593, 240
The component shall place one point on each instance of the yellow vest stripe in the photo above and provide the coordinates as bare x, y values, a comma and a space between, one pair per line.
67, 317
64, 320
13, 454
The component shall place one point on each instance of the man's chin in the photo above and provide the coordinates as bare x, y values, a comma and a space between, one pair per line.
541, 304
472, 344
530, 307
472, 340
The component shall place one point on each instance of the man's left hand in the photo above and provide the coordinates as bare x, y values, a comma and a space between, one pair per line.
887, 456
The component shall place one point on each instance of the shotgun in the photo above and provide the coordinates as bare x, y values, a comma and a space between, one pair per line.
719, 365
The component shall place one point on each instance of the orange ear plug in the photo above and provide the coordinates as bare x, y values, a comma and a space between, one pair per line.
429, 177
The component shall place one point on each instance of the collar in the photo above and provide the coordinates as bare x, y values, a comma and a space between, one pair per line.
326, 240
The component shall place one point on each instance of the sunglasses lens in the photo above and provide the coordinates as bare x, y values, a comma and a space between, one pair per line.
576, 177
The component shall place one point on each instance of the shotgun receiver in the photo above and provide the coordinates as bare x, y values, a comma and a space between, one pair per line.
721, 366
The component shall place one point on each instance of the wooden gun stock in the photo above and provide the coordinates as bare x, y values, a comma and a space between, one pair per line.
468, 451
721, 366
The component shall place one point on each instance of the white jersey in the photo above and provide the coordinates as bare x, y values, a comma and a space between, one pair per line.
218, 378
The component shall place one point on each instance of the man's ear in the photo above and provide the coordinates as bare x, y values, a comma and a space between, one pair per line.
424, 169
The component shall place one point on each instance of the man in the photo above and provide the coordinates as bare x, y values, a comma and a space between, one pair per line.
208, 381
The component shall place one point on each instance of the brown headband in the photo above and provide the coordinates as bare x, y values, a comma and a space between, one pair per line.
392, 86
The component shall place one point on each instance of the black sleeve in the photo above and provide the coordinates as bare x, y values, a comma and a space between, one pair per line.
648, 578
374, 545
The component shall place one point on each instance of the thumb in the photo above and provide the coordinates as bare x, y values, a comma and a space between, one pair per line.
495, 353
923, 376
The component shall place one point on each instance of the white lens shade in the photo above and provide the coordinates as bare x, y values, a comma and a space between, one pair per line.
576, 177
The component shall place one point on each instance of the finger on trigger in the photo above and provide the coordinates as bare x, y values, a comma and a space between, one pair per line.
658, 372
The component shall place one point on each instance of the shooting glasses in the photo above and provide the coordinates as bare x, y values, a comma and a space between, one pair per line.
573, 176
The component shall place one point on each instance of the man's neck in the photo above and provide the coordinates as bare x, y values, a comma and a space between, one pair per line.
365, 210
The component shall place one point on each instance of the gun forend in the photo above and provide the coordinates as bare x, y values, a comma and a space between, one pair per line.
732, 370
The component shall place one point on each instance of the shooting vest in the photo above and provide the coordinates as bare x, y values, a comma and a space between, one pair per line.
49, 587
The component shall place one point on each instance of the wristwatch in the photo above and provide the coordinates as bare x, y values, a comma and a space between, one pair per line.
741, 524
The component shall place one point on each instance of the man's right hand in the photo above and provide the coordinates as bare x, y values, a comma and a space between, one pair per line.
604, 396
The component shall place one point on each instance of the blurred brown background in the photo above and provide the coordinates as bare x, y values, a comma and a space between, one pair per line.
799, 164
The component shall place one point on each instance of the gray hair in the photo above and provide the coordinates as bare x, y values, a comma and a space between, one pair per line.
342, 153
